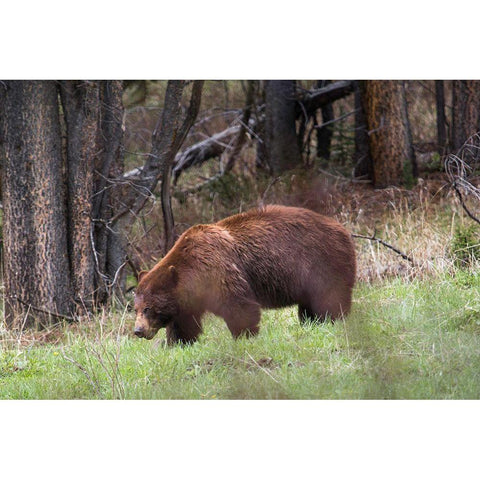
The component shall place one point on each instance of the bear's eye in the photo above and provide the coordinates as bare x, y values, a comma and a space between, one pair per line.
146, 310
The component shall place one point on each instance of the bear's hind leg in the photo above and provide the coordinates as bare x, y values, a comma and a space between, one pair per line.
333, 305
242, 318
307, 315
184, 330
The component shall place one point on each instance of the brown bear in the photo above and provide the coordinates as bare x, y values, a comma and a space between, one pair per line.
269, 257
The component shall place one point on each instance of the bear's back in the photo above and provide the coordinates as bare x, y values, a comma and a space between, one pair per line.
281, 248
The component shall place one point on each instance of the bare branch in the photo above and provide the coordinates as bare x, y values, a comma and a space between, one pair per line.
320, 97
462, 169
41, 310
373, 238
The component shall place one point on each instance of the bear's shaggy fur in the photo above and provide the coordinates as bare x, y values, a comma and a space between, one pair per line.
270, 257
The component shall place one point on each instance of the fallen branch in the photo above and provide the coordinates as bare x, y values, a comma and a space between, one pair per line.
41, 310
373, 238
202, 151
320, 97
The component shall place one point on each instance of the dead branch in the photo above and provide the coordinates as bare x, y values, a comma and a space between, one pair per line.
462, 203
202, 151
319, 97
374, 238
41, 310
461, 169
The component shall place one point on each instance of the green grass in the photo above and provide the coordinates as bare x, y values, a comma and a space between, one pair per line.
415, 339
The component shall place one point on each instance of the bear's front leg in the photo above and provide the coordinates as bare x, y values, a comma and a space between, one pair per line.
185, 329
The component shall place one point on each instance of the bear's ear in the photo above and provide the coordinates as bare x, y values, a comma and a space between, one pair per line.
173, 274
141, 275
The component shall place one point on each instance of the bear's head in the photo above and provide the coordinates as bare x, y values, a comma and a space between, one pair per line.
155, 301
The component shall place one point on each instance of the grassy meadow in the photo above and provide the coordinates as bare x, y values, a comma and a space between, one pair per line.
417, 339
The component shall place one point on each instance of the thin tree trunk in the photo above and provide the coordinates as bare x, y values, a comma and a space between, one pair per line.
36, 265
362, 158
110, 241
441, 119
325, 134
168, 137
410, 170
242, 133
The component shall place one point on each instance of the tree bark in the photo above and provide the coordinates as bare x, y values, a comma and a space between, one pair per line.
466, 111
36, 260
282, 151
325, 134
80, 102
110, 242
441, 119
361, 157
388, 132
410, 171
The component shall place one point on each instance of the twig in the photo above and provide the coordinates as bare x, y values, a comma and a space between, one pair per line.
338, 119
41, 310
464, 206
261, 368
269, 186
85, 372
373, 238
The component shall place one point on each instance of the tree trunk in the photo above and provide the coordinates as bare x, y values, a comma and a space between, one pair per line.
383, 102
362, 158
410, 171
441, 119
54, 259
36, 261
280, 133
466, 111
325, 134
93, 115
80, 102
167, 140
110, 242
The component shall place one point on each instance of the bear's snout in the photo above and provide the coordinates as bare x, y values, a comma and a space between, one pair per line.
139, 332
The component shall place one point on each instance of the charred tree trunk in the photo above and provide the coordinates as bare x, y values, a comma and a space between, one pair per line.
441, 119
80, 102
52, 194
93, 115
383, 102
282, 151
36, 260
466, 111
410, 171
325, 134
362, 158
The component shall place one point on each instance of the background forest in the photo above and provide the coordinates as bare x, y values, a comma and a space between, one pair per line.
100, 177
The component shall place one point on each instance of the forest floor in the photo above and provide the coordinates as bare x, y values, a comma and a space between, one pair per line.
413, 333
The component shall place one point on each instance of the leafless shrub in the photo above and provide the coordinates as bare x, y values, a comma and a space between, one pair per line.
463, 171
